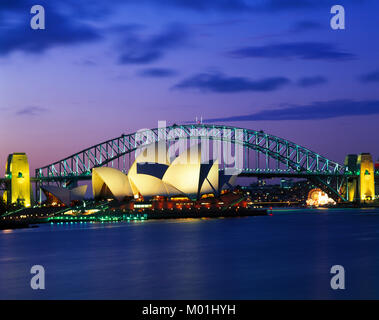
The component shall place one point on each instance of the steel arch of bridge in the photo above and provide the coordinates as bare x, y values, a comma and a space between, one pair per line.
298, 161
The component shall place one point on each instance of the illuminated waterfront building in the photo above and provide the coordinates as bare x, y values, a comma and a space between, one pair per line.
149, 177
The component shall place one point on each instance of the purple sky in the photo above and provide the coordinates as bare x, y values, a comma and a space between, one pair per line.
99, 70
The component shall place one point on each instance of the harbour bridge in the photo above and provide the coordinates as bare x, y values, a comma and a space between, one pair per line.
264, 155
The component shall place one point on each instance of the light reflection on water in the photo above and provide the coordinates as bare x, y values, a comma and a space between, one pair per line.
284, 256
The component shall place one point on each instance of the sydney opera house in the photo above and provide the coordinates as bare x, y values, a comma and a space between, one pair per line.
152, 177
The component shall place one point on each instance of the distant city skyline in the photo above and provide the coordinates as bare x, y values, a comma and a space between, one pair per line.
100, 70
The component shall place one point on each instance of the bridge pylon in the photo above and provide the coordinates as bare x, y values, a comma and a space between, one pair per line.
18, 187
366, 177
360, 185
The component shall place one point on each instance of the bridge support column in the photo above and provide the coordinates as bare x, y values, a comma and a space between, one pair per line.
19, 189
360, 184
366, 177
351, 187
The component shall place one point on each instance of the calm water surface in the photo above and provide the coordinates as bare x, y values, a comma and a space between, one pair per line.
284, 256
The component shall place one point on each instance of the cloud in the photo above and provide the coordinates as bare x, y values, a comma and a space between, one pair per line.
202, 5
229, 6
301, 50
222, 23
138, 50
370, 77
305, 25
101, 8
280, 5
86, 63
313, 111
125, 28
31, 111
311, 81
17, 35
286, 5
70, 8
298, 27
217, 82
157, 73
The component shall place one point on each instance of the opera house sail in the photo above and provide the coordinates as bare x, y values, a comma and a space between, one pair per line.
110, 183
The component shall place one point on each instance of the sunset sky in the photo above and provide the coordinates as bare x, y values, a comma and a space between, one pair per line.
102, 68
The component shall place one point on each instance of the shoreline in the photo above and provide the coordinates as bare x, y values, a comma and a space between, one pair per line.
122, 216
116, 216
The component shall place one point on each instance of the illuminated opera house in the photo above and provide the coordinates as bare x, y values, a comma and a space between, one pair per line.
152, 177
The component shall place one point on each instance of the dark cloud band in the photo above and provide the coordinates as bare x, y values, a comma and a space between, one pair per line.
370, 77
311, 81
157, 73
299, 50
313, 111
136, 49
217, 82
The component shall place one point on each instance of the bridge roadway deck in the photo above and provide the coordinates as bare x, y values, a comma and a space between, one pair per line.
259, 174
262, 174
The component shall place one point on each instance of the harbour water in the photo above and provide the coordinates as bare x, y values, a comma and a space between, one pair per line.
284, 256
